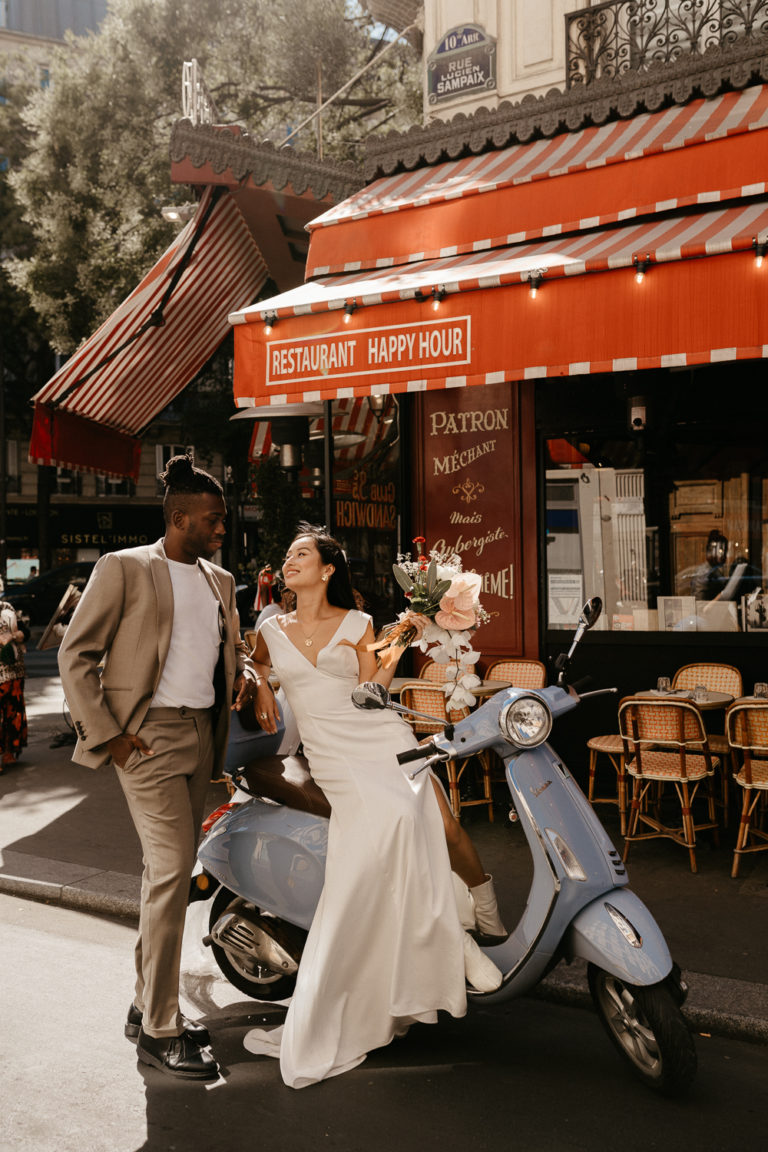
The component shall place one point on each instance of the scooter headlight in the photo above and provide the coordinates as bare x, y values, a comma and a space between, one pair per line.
526, 721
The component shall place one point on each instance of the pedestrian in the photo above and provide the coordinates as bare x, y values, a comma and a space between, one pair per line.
283, 600
164, 620
13, 717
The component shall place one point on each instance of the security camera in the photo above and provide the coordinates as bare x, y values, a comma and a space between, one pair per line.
637, 414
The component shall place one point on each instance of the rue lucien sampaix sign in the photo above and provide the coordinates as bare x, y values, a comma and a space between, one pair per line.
462, 64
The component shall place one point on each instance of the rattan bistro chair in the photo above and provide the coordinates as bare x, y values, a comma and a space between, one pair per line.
747, 732
611, 746
665, 743
438, 673
717, 678
518, 671
430, 699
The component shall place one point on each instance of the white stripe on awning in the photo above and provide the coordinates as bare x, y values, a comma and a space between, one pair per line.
662, 240
675, 127
146, 371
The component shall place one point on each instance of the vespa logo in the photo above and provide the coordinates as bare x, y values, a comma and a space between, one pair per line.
543, 788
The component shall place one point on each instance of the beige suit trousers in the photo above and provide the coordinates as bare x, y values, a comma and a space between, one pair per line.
166, 794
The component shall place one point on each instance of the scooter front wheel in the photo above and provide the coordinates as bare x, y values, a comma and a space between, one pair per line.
247, 976
649, 1030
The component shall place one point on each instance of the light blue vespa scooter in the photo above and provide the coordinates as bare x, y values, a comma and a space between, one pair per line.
266, 857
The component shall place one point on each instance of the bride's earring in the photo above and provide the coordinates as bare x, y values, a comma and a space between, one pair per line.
325, 577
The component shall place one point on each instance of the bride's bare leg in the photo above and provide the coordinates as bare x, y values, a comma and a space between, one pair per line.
462, 853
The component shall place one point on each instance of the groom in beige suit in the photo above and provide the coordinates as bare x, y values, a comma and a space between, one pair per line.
150, 665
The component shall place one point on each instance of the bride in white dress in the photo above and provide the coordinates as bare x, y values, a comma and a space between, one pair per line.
386, 947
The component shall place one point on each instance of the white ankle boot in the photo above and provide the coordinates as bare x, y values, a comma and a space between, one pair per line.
480, 971
488, 922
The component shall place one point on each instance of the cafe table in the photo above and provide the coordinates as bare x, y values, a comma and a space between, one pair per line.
710, 702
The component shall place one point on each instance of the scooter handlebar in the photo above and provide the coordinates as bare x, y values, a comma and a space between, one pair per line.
414, 754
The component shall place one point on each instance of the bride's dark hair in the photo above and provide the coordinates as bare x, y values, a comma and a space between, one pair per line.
339, 590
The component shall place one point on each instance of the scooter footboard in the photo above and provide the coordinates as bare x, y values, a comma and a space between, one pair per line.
617, 933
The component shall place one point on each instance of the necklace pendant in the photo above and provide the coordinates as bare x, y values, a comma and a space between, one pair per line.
307, 643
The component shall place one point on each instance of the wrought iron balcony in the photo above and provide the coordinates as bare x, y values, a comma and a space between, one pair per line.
607, 40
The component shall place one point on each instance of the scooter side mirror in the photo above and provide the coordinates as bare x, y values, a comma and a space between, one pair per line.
590, 613
370, 695
589, 616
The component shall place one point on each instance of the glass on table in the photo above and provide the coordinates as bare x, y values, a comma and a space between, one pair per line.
663, 684
700, 693
760, 690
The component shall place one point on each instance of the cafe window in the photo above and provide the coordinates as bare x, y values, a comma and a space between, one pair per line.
656, 499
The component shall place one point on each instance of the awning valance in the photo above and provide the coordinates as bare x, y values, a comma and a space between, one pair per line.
89, 415
471, 320
704, 152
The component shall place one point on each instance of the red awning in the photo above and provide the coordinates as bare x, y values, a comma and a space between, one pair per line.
703, 152
703, 299
89, 415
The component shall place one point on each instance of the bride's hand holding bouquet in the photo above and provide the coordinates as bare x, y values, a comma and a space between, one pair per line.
444, 611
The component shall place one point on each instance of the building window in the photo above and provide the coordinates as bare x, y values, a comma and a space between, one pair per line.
68, 482
12, 470
44, 76
3, 13
164, 453
112, 486
657, 503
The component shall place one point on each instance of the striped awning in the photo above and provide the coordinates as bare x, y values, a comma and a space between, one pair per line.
90, 414
470, 319
700, 153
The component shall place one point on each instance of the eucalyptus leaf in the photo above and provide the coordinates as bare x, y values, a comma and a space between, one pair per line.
403, 579
440, 589
432, 577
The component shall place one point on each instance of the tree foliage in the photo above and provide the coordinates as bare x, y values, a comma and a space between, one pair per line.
93, 167
25, 358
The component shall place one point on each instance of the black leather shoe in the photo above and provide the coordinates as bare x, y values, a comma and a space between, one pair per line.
176, 1055
196, 1033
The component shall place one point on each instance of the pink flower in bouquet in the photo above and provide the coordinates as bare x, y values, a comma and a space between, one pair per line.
458, 606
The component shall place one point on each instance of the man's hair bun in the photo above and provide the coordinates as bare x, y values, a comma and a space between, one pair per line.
181, 478
179, 473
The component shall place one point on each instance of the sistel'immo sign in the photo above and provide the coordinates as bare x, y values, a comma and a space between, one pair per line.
370, 352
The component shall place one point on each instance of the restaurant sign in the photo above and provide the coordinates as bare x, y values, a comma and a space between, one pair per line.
463, 63
370, 352
469, 449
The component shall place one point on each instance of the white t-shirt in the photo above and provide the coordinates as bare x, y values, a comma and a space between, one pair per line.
187, 678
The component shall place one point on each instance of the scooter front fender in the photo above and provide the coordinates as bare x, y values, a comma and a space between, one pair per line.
618, 934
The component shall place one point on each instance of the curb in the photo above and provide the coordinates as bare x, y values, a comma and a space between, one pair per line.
566, 984
73, 896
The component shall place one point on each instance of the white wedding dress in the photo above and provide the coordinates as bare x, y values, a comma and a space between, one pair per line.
386, 946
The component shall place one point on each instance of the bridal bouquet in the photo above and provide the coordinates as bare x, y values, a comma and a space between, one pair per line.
437, 588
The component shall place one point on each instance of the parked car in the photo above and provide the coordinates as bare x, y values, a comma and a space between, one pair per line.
37, 599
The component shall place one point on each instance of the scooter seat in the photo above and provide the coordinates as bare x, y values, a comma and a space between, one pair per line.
286, 780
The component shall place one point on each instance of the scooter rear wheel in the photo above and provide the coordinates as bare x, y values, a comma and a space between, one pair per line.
648, 1029
253, 979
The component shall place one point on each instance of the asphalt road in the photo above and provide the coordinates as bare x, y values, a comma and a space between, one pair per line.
532, 1075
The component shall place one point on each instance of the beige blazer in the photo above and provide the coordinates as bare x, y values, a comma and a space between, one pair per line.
124, 618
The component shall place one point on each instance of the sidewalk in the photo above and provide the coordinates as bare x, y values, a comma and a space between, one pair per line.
66, 838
